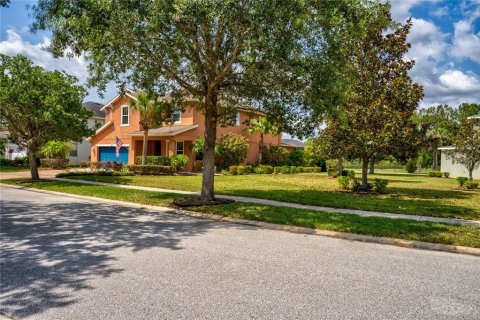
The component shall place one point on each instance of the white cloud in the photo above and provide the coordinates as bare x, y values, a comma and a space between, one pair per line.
466, 44
428, 42
401, 8
14, 44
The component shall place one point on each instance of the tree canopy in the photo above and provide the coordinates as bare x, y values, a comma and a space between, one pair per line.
39, 106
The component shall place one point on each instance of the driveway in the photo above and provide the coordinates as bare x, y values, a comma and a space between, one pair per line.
65, 258
50, 173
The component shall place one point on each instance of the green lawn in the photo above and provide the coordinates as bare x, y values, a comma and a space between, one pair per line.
382, 227
13, 168
407, 193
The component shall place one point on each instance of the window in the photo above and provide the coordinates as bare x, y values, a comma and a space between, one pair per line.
73, 149
179, 147
238, 119
125, 116
177, 117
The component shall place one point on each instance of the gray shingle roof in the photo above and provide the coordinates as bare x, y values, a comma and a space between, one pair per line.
292, 143
95, 107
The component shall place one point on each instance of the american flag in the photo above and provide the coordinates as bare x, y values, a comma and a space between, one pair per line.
119, 145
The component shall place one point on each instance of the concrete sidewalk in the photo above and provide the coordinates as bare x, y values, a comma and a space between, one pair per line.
362, 213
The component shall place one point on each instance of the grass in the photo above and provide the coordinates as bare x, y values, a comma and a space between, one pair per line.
374, 226
13, 168
407, 193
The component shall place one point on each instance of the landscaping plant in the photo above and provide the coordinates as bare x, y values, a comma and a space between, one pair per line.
179, 162
461, 181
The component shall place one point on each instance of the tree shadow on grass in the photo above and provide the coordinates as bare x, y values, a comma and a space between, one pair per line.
49, 251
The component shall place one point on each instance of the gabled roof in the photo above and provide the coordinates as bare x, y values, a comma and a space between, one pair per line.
164, 131
96, 108
292, 143
477, 116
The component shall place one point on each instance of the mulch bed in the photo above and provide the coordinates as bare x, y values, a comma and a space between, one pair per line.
195, 202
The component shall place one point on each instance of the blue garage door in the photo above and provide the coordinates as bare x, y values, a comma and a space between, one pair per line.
109, 154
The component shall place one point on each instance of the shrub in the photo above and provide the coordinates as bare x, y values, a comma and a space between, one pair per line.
275, 156
263, 170
356, 185
296, 158
435, 173
351, 174
411, 166
344, 182
154, 160
54, 163
232, 149
117, 166
293, 169
471, 185
276, 170
98, 173
331, 164
233, 170
20, 161
84, 164
284, 169
461, 181
380, 185
150, 169
224, 172
299, 169
241, 170
446, 174
5, 162
332, 172
179, 162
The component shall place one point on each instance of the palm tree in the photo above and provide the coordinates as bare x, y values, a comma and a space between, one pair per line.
149, 117
262, 126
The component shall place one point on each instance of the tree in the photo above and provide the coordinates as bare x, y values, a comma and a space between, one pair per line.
467, 145
262, 126
55, 149
232, 149
226, 53
152, 114
40, 106
376, 117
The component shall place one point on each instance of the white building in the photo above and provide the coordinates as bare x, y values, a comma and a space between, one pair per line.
12, 150
81, 150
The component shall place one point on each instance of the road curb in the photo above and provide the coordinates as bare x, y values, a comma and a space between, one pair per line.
271, 226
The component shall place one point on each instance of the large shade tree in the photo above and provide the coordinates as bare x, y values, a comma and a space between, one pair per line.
376, 117
278, 55
39, 106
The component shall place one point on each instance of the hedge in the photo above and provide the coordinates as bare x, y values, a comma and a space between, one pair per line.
150, 169
98, 173
54, 163
154, 160
248, 169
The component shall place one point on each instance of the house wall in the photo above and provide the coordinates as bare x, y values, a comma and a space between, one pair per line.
190, 116
448, 164
84, 147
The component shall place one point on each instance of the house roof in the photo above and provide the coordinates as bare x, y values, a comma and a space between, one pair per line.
4, 134
165, 131
96, 107
477, 116
446, 148
293, 143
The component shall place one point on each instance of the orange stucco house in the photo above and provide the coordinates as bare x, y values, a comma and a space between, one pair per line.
123, 122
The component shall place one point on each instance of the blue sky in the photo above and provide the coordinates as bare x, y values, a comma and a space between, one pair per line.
445, 41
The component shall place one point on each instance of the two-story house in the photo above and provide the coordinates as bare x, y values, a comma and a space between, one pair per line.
124, 122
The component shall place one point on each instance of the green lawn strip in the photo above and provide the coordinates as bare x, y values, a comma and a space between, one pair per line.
415, 194
13, 168
374, 226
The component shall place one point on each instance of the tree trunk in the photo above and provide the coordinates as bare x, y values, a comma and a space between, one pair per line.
364, 173
33, 165
470, 173
340, 167
209, 151
434, 159
145, 147
260, 149
372, 167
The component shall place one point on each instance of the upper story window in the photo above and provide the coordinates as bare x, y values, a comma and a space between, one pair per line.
180, 147
177, 117
125, 116
238, 119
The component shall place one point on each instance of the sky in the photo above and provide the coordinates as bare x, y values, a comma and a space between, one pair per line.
445, 39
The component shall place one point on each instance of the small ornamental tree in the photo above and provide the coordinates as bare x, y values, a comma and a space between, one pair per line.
262, 126
233, 149
467, 145
39, 106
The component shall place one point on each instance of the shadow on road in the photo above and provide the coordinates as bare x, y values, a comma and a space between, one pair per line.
49, 251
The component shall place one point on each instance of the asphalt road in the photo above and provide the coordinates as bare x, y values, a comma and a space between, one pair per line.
65, 258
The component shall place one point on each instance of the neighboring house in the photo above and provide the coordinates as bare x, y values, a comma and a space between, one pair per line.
80, 151
292, 144
123, 122
448, 163
12, 150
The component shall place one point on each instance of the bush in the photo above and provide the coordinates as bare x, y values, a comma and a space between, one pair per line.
446, 174
150, 169
117, 166
233, 170
293, 169
299, 169
232, 149
5, 162
471, 185
331, 164
276, 170
411, 166
242, 170
351, 174
179, 162
224, 172
332, 172
284, 169
98, 173
154, 160
344, 182
356, 185
435, 173
311, 169
84, 164
275, 156
380, 185
54, 163
461, 181
296, 158
263, 169
20, 161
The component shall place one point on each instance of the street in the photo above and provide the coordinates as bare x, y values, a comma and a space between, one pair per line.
66, 258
